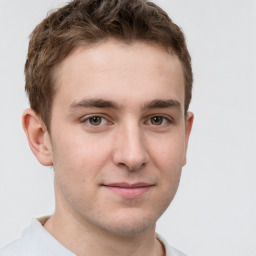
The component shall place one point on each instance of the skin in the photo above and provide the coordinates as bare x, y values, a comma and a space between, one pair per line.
117, 121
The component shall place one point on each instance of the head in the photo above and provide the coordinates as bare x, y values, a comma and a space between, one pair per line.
109, 84
89, 22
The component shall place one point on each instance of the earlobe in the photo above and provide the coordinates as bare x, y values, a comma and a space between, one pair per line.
38, 137
188, 124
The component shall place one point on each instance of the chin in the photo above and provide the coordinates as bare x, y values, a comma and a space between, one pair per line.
129, 224
130, 229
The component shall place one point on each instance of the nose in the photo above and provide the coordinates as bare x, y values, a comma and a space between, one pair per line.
130, 148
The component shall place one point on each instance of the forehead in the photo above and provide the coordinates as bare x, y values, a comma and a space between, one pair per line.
121, 72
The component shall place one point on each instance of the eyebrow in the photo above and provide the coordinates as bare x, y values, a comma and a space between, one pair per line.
94, 103
159, 103
101, 103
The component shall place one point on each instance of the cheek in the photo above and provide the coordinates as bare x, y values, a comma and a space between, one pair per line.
168, 153
78, 155
77, 166
168, 157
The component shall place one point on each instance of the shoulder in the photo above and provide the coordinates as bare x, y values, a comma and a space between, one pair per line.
21, 246
170, 251
18, 247
35, 241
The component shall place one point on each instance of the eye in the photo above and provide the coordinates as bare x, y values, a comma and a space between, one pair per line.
95, 120
159, 120
156, 120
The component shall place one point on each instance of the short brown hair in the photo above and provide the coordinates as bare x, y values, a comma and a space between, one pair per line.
88, 22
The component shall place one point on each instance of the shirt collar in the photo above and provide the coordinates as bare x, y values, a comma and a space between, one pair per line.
41, 242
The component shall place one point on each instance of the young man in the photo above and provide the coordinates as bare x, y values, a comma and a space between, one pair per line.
109, 84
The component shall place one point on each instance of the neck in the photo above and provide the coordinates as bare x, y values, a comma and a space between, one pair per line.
82, 239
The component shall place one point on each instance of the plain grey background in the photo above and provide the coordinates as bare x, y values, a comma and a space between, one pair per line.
214, 212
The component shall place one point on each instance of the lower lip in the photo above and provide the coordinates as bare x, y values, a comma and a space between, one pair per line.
129, 192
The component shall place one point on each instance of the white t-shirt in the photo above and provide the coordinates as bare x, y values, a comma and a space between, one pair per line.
37, 241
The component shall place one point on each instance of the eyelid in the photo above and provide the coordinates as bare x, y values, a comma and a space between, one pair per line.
86, 118
168, 119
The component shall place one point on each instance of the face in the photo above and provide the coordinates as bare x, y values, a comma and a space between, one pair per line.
118, 135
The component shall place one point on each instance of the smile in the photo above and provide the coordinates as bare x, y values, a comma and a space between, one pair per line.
127, 190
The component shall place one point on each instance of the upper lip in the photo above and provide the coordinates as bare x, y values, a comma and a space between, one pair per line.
128, 185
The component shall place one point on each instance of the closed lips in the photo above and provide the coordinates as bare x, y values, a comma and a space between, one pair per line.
129, 191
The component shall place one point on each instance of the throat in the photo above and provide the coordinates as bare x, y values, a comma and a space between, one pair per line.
101, 244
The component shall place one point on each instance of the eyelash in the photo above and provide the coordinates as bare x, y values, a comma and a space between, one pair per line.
165, 120
88, 118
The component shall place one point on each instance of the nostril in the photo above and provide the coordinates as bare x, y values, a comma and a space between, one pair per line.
131, 162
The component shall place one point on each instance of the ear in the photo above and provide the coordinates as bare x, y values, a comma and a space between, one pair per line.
188, 128
38, 137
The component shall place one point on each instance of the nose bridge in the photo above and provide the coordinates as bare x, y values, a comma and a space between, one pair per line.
130, 147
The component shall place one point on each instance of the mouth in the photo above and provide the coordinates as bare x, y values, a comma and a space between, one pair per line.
128, 190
